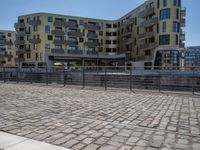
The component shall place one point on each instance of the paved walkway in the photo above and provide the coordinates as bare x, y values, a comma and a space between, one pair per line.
90, 120
13, 142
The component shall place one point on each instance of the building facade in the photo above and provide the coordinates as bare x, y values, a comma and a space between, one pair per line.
150, 35
7, 48
192, 56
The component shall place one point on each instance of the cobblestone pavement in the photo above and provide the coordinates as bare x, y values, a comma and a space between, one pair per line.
90, 120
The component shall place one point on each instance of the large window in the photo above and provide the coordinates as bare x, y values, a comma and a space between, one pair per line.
164, 39
165, 14
50, 19
177, 2
176, 27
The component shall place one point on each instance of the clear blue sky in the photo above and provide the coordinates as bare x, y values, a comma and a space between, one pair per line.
105, 9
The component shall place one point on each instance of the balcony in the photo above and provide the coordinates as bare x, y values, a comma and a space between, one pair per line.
19, 42
57, 50
22, 33
182, 36
148, 46
35, 22
182, 22
126, 33
146, 35
6, 42
92, 35
71, 24
75, 34
76, 52
183, 12
182, 45
128, 41
60, 23
58, 32
149, 22
19, 59
91, 44
66, 42
2, 36
35, 41
2, 49
91, 27
19, 25
146, 12
92, 52
128, 21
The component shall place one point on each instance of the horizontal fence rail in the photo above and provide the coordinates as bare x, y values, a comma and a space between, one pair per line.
175, 79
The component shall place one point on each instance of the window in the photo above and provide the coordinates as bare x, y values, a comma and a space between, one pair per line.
47, 46
164, 26
108, 26
165, 14
50, 37
58, 46
9, 46
176, 27
108, 50
177, 3
114, 41
28, 19
164, 3
50, 19
9, 34
72, 39
108, 41
158, 4
40, 56
177, 14
176, 39
164, 39
81, 22
35, 28
147, 52
28, 55
47, 29
36, 56
81, 40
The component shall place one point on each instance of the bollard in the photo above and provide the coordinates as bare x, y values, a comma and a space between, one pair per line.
64, 77
47, 82
4, 75
193, 88
159, 82
131, 79
30, 76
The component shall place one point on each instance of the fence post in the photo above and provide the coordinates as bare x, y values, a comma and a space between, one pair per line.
105, 80
131, 79
17, 70
4, 75
193, 78
83, 69
64, 77
47, 82
159, 82
31, 75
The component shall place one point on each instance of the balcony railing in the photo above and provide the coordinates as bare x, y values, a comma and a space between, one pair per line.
35, 41
182, 36
6, 42
75, 34
22, 33
183, 12
91, 27
182, 22
128, 21
149, 22
19, 42
92, 44
92, 35
35, 22
19, 25
127, 33
58, 32
76, 52
58, 50
148, 46
146, 12
66, 42
92, 53
65, 24
146, 35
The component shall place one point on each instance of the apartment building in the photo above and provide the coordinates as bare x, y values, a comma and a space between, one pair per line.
150, 35
7, 48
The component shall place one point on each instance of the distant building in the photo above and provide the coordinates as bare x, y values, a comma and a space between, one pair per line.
150, 35
7, 48
192, 56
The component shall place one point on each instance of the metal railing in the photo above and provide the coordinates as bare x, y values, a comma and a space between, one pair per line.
176, 79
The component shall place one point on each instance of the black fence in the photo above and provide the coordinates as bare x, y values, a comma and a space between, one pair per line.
175, 79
